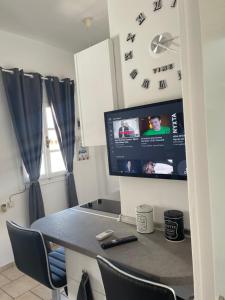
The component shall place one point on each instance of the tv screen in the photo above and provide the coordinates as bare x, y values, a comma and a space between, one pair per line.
147, 141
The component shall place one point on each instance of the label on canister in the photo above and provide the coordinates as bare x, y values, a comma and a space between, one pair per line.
174, 225
144, 219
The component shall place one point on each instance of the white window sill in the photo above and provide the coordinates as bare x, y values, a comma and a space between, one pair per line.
52, 179
48, 180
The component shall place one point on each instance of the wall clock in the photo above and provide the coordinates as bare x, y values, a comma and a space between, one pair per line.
151, 47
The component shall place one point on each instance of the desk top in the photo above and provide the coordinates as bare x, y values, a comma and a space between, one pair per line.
153, 256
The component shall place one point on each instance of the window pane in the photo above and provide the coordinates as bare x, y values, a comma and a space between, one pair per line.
42, 171
50, 123
57, 163
53, 141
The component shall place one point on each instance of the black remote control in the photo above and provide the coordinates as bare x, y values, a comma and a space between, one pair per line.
118, 242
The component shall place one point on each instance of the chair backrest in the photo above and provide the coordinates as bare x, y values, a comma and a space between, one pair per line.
120, 285
30, 253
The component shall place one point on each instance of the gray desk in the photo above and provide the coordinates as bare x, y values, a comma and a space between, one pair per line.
152, 256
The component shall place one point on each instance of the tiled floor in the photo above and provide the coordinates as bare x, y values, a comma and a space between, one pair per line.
16, 285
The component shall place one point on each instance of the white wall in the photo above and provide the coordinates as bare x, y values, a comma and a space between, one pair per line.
17, 51
162, 194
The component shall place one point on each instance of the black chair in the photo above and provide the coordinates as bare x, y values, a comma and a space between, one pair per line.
121, 285
31, 257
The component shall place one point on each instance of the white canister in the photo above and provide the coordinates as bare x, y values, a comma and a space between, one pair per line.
144, 219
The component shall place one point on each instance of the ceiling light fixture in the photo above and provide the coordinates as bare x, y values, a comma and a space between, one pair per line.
88, 21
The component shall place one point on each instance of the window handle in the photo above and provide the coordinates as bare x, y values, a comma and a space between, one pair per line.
47, 141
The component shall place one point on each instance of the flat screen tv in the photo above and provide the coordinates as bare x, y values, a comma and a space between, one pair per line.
147, 141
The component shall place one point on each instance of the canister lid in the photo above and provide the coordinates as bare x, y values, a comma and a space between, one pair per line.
144, 208
174, 214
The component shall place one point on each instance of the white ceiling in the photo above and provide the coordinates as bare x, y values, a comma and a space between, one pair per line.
56, 22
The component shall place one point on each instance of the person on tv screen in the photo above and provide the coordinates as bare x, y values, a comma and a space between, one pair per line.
157, 168
129, 167
156, 127
125, 130
130, 129
148, 168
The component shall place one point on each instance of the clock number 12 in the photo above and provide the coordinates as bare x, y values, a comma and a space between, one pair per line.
157, 5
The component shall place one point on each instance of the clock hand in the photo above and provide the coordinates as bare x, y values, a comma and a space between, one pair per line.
164, 47
160, 38
156, 47
169, 40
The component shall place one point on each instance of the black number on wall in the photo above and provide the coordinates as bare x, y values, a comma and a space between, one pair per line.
156, 70
170, 67
179, 75
131, 37
157, 5
174, 3
128, 55
134, 74
162, 84
163, 68
140, 18
146, 83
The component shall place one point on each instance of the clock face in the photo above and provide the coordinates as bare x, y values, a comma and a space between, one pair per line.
162, 42
150, 48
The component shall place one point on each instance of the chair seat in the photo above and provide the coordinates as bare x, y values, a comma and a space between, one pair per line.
58, 267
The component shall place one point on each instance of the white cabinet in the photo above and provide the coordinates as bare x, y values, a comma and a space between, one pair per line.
96, 90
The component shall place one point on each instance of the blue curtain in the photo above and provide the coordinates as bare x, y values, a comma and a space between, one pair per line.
61, 99
24, 97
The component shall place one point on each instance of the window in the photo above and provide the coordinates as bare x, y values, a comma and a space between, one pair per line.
52, 164
53, 156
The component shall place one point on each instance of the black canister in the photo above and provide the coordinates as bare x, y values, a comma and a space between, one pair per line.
174, 225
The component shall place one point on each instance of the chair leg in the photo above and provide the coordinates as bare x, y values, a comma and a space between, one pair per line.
56, 295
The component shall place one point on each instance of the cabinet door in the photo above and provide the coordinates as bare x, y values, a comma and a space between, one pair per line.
96, 90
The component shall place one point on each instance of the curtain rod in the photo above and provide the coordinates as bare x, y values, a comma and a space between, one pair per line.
28, 75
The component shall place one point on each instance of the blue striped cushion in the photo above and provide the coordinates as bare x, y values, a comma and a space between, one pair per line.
57, 267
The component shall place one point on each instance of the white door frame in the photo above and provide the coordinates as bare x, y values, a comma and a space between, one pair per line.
196, 147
